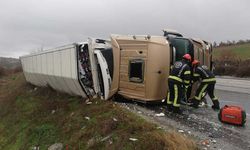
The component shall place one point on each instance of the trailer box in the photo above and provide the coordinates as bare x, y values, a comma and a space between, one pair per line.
79, 69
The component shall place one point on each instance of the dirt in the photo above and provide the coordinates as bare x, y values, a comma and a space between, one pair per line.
200, 123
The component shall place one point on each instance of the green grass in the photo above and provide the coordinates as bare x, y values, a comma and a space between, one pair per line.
43, 117
241, 51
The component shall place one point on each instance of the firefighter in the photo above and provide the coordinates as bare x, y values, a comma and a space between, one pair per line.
207, 78
179, 77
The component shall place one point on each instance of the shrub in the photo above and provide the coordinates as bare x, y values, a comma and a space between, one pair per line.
233, 68
2, 71
229, 64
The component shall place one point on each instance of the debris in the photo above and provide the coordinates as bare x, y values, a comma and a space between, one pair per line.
201, 128
35, 148
189, 132
35, 88
180, 131
87, 117
215, 129
89, 103
160, 115
83, 127
53, 111
56, 146
91, 142
139, 112
205, 142
158, 127
110, 141
105, 138
193, 116
163, 100
133, 139
210, 135
213, 141
114, 119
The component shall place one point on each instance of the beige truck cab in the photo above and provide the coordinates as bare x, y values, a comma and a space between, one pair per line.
144, 62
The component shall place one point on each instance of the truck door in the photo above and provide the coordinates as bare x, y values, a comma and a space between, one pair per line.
102, 65
104, 74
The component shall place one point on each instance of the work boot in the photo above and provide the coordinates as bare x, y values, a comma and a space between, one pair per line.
177, 110
170, 107
195, 103
216, 105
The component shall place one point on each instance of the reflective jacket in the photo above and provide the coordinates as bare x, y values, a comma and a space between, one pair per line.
180, 73
203, 73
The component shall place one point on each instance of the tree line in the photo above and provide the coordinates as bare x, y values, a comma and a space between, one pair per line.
229, 43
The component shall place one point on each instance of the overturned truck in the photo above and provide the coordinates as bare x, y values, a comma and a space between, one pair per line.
136, 67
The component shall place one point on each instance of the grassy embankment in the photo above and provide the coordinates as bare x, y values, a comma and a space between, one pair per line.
233, 60
239, 51
40, 117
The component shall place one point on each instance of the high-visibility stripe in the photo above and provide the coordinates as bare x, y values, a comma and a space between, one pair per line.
186, 81
175, 78
215, 98
187, 72
197, 98
201, 92
196, 75
168, 100
209, 80
176, 96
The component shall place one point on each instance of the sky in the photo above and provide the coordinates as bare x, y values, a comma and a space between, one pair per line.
31, 25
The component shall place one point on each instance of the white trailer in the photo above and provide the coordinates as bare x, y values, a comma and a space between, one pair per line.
78, 69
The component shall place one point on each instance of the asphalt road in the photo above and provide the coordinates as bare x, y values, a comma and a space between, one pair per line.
234, 91
203, 123
239, 85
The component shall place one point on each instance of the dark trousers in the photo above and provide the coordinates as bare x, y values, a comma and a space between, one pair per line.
206, 87
175, 94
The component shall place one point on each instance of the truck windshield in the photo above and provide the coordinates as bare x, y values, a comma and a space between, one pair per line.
182, 46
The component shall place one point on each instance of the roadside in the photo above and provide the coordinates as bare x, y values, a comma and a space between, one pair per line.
203, 123
200, 123
33, 117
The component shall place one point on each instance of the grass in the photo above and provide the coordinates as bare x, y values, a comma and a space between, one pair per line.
241, 51
232, 60
41, 117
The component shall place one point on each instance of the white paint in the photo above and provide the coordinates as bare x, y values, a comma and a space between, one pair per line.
105, 73
55, 67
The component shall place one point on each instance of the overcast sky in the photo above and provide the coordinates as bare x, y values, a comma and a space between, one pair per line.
29, 25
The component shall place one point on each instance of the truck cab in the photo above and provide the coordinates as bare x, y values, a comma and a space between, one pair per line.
179, 45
